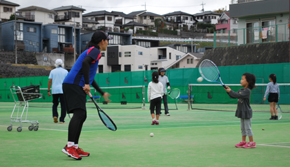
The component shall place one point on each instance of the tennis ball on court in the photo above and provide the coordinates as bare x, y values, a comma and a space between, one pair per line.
151, 134
199, 79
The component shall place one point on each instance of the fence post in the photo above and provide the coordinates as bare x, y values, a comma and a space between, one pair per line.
276, 32
214, 39
229, 37
244, 38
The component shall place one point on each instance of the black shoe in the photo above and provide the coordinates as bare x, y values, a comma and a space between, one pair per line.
272, 118
275, 117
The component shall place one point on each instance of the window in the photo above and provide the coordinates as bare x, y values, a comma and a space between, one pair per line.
50, 16
152, 64
186, 18
120, 54
117, 40
99, 18
178, 57
127, 67
103, 54
109, 18
169, 55
19, 32
75, 14
151, 17
191, 61
140, 53
6, 9
145, 17
187, 61
100, 68
144, 44
127, 54
54, 31
140, 67
31, 29
61, 34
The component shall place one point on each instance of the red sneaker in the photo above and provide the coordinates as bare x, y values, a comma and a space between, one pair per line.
82, 153
241, 144
153, 122
250, 145
157, 123
71, 152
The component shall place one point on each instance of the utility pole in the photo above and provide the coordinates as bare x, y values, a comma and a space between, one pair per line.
202, 4
15, 41
145, 6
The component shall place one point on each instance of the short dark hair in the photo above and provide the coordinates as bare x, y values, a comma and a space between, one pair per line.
273, 77
251, 79
155, 77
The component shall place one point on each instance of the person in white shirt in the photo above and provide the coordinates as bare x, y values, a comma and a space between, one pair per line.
56, 78
154, 94
165, 82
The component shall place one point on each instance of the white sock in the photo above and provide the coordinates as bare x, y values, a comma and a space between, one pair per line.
154, 119
70, 144
76, 146
157, 120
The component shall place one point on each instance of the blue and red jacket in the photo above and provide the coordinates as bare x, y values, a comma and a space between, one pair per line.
76, 76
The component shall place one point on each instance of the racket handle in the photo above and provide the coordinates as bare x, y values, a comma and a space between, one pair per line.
90, 95
225, 86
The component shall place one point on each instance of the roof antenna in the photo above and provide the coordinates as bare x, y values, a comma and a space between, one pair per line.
202, 7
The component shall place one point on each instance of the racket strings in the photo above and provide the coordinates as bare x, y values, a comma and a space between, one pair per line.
107, 121
174, 93
209, 71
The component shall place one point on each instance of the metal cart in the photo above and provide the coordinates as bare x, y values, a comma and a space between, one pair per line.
21, 96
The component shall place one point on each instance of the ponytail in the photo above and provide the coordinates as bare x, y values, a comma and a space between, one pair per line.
273, 77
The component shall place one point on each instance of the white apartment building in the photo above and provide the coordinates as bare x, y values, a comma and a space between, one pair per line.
37, 14
136, 58
180, 19
147, 18
7, 9
208, 17
69, 15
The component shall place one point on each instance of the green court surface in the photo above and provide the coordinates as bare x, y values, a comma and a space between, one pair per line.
186, 138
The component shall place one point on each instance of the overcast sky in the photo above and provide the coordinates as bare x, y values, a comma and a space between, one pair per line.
127, 6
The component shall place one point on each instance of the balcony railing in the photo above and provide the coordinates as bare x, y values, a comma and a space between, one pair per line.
253, 35
62, 17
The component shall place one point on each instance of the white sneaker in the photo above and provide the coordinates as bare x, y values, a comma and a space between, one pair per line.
167, 114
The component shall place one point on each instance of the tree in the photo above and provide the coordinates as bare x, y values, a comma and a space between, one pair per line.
12, 17
220, 10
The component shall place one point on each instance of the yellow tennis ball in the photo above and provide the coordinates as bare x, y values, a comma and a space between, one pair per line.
199, 79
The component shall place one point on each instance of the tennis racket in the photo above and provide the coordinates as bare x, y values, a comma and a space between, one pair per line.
107, 121
174, 93
279, 111
210, 72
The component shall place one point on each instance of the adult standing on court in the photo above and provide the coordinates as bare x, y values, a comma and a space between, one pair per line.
56, 78
76, 86
274, 94
165, 82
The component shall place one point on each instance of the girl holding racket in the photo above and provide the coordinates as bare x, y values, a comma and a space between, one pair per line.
244, 110
274, 93
76, 86
154, 94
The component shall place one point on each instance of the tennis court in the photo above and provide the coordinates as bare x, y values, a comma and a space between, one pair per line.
186, 138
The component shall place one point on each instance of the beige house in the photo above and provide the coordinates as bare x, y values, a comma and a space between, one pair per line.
7, 9
189, 60
37, 14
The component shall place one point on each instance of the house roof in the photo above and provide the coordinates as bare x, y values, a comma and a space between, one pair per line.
150, 14
2, 2
207, 13
116, 13
36, 8
68, 8
97, 13
133, 23
177, 13
136, 13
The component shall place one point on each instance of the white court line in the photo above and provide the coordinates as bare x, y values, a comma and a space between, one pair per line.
273, 145
152, 128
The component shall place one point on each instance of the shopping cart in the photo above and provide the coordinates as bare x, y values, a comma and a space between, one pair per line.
23, 95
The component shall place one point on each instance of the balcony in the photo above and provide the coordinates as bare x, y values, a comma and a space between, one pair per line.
62, 17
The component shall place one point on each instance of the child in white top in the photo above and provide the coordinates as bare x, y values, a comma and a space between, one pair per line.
154, 94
